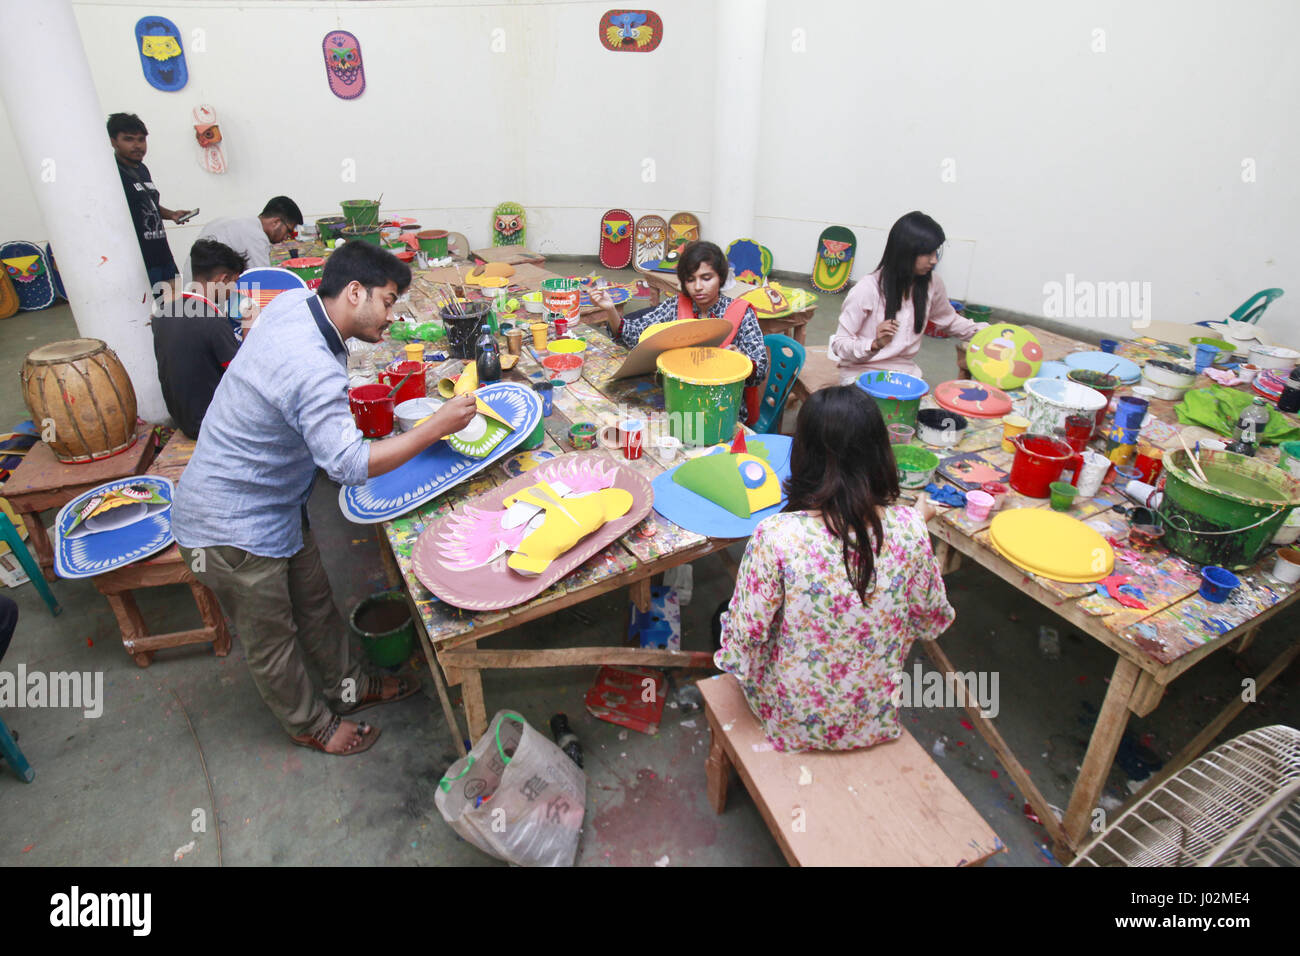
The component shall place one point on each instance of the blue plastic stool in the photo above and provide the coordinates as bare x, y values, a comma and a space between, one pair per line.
787, 359
9, 534
1253, 308
9, 750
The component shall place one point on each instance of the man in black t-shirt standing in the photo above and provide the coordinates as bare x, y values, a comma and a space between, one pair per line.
128, 135
193, 340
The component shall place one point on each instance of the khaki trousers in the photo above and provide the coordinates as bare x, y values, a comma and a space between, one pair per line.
284, 613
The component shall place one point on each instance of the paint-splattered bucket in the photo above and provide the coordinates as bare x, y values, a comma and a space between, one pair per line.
561, 298
330, 227
361, 212
433, 241
1229, 522
462, 327
383, 622
702, 393
368, 234
897, 394
306, 268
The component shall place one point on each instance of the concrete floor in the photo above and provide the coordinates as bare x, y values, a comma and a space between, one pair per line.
129, 788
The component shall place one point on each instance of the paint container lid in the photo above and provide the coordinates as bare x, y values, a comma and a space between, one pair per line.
705, 366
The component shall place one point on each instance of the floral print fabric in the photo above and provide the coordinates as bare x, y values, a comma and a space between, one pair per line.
819, 668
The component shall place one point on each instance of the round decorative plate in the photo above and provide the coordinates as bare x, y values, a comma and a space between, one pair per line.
1004, 355
973, 398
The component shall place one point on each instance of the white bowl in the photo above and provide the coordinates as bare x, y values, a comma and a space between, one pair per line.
413, 411
1274, 357
1169, 374
1051, 400
534, 306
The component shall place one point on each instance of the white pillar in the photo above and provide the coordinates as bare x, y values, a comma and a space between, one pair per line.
59, 130
741, 32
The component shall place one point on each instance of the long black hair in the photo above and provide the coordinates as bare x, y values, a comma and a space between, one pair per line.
915, 234
841, 464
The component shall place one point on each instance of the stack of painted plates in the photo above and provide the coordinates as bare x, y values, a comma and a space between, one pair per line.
1269, 383
1052, 545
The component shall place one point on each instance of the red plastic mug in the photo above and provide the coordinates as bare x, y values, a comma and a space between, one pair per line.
631, 438
372, 409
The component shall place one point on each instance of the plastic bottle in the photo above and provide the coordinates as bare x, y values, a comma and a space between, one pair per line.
1289, 400
1049, 643
1250, 426
487, 357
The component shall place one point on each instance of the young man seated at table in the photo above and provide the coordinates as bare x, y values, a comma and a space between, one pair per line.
193, 340
240, 516
253, 236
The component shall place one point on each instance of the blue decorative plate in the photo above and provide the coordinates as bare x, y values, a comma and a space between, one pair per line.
1128, 372
616, 295
439, 467
693, 512
91, 554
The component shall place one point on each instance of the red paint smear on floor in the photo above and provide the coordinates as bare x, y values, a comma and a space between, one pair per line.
654, 818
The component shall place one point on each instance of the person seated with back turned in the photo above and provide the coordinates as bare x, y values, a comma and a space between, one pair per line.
253, 236
819, 627
701, 271
193, 340
240, 511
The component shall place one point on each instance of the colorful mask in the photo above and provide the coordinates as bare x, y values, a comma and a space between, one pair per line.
161, 56
116, 508
25, 268
508, 225
743, 483
631, 31
343, 65
750, 261
835, 250
615, 230
682, 228
208, 134
650, 237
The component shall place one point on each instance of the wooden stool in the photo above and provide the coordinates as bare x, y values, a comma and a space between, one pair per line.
887, 805
165, 568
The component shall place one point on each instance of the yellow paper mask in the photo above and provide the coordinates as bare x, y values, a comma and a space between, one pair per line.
568, 521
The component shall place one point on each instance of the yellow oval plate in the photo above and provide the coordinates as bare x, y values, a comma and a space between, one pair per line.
1052, 544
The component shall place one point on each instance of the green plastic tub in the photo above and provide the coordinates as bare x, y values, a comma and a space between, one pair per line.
1228, 522
384, 625
361, 212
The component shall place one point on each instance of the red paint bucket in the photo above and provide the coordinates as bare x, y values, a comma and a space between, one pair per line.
372, 409
1039, 461
414, 387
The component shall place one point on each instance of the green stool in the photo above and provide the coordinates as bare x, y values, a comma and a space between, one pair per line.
9, 534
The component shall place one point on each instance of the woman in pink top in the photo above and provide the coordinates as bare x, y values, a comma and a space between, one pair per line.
885, 314
819, 627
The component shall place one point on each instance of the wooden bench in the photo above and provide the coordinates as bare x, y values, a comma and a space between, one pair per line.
888, 805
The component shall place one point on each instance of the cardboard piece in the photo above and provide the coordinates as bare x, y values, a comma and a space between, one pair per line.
440, 467
618, 697
694, 512
114, 540
673, 335
448, 557
510, 255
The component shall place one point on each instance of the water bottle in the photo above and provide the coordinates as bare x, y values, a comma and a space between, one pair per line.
1250, 426
487, 357
566, 739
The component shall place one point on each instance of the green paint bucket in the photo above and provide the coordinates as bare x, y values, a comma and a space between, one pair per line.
307, 268
361, 212
1228, 522
978, 313
535, 439
330, 227
383, 623
897, 394
915, 465
1290, 460
433, 241
703, 391
368, 234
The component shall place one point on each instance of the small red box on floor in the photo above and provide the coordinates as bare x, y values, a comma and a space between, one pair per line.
631, 697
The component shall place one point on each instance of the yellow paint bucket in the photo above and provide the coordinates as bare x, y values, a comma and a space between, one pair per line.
703, 389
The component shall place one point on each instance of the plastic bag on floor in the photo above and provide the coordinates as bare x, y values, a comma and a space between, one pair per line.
516, 796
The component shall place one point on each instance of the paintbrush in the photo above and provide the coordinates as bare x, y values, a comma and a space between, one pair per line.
1194, 459
398, 387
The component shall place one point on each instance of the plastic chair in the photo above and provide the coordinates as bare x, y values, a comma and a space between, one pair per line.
787, 359
9, 535
1251, 309
9, 750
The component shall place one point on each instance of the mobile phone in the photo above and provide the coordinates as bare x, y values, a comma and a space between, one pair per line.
187, 217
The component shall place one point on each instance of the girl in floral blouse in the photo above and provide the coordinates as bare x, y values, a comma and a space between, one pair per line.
818, 630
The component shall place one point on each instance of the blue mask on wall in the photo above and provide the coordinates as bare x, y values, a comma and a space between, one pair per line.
161, 56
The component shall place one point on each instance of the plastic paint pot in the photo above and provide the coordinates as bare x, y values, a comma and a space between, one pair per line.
433, 241
997, 491
1286, 568
1013, 425
897, 394
361, 212
1039, 461
372, 409
703, 388
978, 505
915, 465
1217, 584
582, 436
463, 326
1108, 346
414, 387
900, 434
1062, 495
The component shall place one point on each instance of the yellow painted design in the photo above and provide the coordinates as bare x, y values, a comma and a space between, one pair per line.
568, 521
160, 48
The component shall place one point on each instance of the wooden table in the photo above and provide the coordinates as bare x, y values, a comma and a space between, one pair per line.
793, 323
43, 482
1152, 649
450, 637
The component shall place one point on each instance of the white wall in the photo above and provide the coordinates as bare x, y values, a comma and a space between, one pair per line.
1117, 165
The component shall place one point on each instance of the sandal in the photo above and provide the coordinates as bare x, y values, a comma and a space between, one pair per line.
374, 694
320, 740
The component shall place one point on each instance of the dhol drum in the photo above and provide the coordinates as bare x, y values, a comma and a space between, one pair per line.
81, 399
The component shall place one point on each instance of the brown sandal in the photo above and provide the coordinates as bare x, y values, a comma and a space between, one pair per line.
320, 740
374, 695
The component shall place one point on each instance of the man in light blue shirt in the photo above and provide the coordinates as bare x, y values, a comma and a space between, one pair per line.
239, 513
